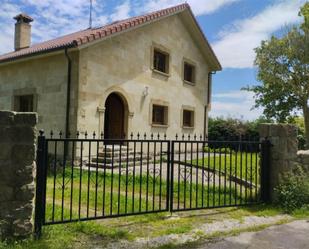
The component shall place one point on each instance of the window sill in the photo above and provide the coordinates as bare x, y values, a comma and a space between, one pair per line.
161, 73
188, 127
189, 83
159, 125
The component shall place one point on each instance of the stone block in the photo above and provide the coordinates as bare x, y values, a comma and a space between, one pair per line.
6, 118
25, 192
7, 193
23, 155
29, 119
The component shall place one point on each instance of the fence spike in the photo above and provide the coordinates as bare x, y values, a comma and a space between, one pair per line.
102, 135
158, 136
195, 136
77, 134
131, 135
51, 134
94, 135
183, 136
86, 134
201, 137
60, 134
145, 135
189, 137
138, 135
176, 136
151, 136
164, 136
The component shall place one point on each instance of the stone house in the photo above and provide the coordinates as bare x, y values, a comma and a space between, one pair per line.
150, 73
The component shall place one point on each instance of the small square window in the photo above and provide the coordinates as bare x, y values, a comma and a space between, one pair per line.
189, 72
188, 118
24, 103
159, 114
160, 61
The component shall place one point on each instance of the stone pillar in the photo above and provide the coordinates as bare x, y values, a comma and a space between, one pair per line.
101, 111
283, 138
17, 163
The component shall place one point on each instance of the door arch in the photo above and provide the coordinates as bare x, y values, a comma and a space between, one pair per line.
115, 120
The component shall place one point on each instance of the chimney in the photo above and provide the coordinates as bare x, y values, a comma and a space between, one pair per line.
22, 31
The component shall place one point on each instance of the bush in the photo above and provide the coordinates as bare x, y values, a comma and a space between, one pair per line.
293, 191
218, 150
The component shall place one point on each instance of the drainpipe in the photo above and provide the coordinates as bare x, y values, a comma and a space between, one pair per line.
67, 118
209, 80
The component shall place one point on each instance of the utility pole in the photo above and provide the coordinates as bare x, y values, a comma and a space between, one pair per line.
90, 15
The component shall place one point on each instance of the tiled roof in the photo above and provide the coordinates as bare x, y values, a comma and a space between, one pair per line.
85, 36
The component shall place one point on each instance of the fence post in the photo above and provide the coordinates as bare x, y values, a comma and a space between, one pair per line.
39, 202
265, 170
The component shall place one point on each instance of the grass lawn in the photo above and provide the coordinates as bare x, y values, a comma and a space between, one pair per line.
90, 194
242, 165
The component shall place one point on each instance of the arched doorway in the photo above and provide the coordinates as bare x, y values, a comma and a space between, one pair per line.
115, 117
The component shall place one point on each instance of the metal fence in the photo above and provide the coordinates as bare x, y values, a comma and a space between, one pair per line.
93, 178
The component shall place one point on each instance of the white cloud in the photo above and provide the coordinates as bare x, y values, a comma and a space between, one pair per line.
236, 104
199, 7
235, 47
122, 11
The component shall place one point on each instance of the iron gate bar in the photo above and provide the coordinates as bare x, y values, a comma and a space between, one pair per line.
228, 183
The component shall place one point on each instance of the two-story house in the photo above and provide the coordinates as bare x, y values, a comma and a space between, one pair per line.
150, 73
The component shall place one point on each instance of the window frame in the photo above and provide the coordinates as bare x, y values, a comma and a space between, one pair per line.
160, 49
194, 76
192, 111
164, 105
17, 98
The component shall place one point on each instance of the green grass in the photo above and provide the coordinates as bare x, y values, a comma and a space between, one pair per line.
129, 195
98, 233
242, 165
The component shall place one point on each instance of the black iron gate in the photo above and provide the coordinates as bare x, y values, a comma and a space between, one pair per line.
94, 178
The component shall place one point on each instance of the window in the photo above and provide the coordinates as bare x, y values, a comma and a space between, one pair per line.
159, 115
189, 72
160, 61
188, 119
24, 103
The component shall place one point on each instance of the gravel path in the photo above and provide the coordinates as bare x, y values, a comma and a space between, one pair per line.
196, 234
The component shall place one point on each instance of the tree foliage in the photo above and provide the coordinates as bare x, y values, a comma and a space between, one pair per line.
283, 70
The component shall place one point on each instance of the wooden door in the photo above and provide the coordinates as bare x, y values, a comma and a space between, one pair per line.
114, 117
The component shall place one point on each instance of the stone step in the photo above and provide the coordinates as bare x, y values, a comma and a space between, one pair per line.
124, 159
115, 148
110, 154
116, 165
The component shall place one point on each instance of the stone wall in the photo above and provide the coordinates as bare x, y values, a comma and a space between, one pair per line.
17, 163
283, 156
303, 159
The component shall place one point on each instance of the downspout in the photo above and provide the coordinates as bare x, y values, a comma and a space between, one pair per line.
67, 118
209, 80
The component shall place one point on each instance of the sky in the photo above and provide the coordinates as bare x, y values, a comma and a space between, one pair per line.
233, 27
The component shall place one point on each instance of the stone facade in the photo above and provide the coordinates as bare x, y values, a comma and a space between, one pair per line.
121, 64
17, 162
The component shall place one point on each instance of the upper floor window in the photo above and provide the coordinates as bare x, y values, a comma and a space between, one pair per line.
189, 72
24, 103
161, 61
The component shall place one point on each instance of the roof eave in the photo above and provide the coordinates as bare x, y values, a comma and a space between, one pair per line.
35, 54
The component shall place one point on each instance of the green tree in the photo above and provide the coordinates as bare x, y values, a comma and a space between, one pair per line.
283, 70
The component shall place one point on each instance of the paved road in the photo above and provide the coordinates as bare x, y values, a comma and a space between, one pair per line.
294, 235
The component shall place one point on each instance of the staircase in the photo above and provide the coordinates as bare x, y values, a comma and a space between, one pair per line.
115, 156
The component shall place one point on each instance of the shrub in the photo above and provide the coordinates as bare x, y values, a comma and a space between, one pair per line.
293, 191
